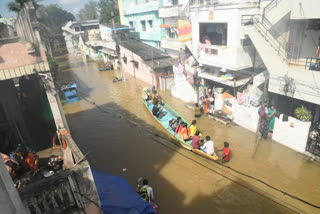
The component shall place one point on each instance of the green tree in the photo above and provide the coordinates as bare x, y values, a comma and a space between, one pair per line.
17, 5
51, 19
105, 8
90, 11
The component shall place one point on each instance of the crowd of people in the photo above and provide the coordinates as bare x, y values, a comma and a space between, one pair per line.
191, 133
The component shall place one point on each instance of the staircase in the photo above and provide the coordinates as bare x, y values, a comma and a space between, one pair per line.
276, 10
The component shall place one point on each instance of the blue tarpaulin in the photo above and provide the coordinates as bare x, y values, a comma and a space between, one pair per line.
118, 197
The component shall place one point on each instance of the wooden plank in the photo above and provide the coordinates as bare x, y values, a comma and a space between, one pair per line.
44, 202
75, 191
2, 76
22, 71
53, 202
37, 67
31, 68
41, 66
27, 69
46, 66
17, 72
35, 205
70, 196
10, 73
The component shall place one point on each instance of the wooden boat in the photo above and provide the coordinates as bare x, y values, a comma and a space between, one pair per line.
170, 114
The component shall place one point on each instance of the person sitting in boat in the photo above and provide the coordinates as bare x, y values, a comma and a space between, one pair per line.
196, 141
154, 97
193, 128
179, 128
208, 147
184, 134
157, 110
174, 123
146, 94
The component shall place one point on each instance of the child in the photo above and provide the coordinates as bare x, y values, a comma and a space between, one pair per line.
226, 152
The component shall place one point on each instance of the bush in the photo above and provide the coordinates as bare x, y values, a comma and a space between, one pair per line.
302, 113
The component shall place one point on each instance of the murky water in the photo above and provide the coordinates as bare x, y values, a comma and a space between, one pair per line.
183, 182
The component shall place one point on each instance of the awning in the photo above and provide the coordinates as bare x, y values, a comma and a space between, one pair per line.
165, 25
226, 82
109, 52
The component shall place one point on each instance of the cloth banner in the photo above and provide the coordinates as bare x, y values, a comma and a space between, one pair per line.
185, 30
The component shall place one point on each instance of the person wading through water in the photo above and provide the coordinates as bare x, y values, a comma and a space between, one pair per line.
146, 191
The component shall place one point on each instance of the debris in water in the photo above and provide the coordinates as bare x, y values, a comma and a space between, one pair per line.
124, 169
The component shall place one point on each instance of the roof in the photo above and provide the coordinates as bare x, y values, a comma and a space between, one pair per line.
146, 52
161, 63
81, 22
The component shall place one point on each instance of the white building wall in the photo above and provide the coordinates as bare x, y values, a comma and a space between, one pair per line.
233, 56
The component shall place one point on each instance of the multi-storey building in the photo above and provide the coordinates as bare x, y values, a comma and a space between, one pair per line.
171, 11
143, 16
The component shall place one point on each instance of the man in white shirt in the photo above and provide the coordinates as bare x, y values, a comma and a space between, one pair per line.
208, 147
146, 192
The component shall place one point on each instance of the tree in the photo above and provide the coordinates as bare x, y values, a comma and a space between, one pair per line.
105, 8
90, 11
51, 19
17, 5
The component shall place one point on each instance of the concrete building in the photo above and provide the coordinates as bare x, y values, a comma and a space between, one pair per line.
73, 29
171, 11
144, 17
285, 34
31, 114
145, 62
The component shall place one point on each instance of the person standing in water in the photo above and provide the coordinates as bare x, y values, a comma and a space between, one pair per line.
272, 117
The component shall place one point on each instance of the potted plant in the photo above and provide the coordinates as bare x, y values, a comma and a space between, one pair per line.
302, 113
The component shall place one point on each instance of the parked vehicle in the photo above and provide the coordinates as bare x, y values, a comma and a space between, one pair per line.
70, 93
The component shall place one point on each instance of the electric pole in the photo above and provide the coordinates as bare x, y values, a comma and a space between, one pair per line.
117, 46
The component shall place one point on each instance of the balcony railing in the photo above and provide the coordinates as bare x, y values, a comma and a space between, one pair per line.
312, 63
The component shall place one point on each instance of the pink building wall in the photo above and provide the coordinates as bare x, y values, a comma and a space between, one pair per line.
143, 72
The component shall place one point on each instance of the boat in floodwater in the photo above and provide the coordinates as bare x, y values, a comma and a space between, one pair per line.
169, 114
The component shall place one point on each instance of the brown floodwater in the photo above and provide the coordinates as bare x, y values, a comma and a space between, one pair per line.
182, 181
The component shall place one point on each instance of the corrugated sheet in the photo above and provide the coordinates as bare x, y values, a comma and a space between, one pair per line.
24, 70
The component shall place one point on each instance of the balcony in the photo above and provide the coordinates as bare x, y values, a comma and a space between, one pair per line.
170, 11
172, 44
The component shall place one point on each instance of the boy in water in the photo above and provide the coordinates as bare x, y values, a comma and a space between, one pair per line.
226, 152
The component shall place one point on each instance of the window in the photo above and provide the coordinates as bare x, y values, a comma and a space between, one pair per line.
150, 23
143, 25
171, 34
124, 59
175, 2
213, 33
131, 23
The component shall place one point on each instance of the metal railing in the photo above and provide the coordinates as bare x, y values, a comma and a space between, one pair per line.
312, 63
269, 7
264, 28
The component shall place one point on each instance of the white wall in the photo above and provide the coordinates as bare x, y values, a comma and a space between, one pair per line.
105, 34
293, 137
234, 56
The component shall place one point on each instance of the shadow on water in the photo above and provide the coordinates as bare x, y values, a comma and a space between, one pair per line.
121, 145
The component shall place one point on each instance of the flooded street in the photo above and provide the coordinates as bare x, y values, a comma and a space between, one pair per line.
182, 181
